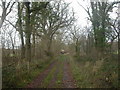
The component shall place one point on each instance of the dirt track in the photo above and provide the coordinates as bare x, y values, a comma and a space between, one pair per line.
67, 79
38, 81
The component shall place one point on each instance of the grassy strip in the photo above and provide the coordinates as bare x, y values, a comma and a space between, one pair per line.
58, 83
59, 76
62, 59
48, 78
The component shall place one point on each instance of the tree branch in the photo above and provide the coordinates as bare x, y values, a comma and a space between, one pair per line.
10, 8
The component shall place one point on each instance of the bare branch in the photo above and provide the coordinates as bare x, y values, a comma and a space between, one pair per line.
87, 10
10, 8
8, 5
11, 24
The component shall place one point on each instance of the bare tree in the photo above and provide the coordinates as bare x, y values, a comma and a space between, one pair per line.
20, 29
100, 18
119, 30
28, 33
52, 19
6, 9
76, 35
12, 38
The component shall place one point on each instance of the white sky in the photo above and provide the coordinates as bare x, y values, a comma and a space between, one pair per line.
80, 13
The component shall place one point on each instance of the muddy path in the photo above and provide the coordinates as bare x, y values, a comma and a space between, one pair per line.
38, 81
68, 81
57, 75
56, 80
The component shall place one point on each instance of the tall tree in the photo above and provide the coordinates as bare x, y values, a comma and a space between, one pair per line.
119, 30
20, 29
75, 32
100, 18
52, 18
28, 33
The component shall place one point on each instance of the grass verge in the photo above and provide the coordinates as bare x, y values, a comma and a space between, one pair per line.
48, 78
59, 76
97, 74
13, 78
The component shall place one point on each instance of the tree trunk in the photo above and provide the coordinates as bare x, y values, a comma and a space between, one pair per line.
21, 32
33, 31
3, 15
33, 44
49, 46
13, 51
28, 34
22, 47
119, 40
77, 47
111, 46
2, 18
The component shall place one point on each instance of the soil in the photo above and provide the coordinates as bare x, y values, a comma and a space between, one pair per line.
67, 81
38, 81
54, 79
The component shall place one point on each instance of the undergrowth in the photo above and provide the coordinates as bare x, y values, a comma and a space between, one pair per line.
90, 73
14, 77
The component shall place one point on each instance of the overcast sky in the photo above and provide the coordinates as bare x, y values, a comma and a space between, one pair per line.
80, 13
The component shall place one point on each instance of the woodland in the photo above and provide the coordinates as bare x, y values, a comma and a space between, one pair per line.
43, 46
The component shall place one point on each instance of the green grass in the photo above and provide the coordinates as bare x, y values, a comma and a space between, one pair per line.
48, 78
59, 76
51, 74
31, 76
15, 79
86, 78
77, 75
36, 71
